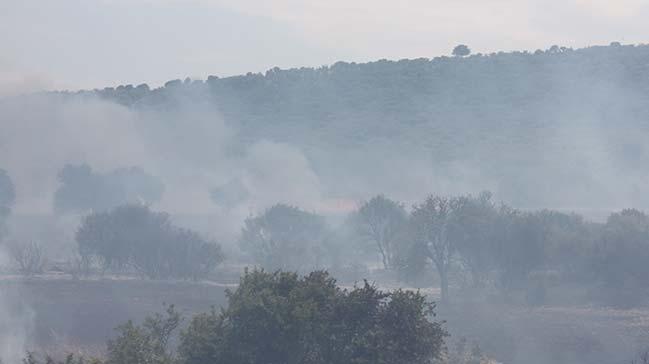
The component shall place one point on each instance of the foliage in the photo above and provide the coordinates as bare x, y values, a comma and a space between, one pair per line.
505, 116
515, 250
133, 236
461, 51
147, 343
432, 222
621, 257
473, 232
285, 237
283, 318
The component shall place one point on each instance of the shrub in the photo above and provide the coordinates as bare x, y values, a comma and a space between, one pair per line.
281, 318
134, 237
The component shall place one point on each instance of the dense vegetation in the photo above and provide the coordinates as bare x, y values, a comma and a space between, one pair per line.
468, 242
505, 121
555, 128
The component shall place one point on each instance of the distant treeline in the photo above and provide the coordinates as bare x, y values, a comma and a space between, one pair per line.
463, 244
470, 243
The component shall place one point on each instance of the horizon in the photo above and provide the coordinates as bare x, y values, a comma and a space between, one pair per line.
89, 45
161, 84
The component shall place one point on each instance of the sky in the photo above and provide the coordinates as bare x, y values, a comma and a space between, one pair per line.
74, 44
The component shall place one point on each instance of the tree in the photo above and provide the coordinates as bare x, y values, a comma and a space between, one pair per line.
621, 257
474, 231
7, 199
461, 51
519, 246
285, 237
282, 318
382, 221
133, 236
145, 344
431, 223
29, 258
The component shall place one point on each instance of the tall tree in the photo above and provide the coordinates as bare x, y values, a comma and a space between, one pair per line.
474, 233
382, 221
431, 223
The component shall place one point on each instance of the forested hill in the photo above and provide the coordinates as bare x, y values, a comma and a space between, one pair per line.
519, 123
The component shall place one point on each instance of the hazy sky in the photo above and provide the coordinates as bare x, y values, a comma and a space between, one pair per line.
93, 43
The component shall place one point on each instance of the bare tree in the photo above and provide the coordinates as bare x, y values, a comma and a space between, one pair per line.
381, 221
29, 258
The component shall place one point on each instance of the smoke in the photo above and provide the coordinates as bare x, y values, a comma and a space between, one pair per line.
43, 133
16, 321
188, 146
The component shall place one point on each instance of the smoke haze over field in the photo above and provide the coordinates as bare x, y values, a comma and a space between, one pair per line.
585, 128
485, 152
189, 148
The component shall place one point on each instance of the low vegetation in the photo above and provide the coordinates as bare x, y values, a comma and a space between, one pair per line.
132, 237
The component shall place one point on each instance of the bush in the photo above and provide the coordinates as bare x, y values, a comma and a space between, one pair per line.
145, 344
134, 237
29, 258
281, 318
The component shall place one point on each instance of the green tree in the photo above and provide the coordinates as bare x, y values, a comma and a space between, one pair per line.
147, 343
461, 51
282, 318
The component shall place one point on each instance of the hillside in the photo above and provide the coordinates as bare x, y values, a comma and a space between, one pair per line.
499, 121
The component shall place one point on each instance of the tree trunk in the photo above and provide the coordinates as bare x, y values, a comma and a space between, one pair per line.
443, 276
384, 258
